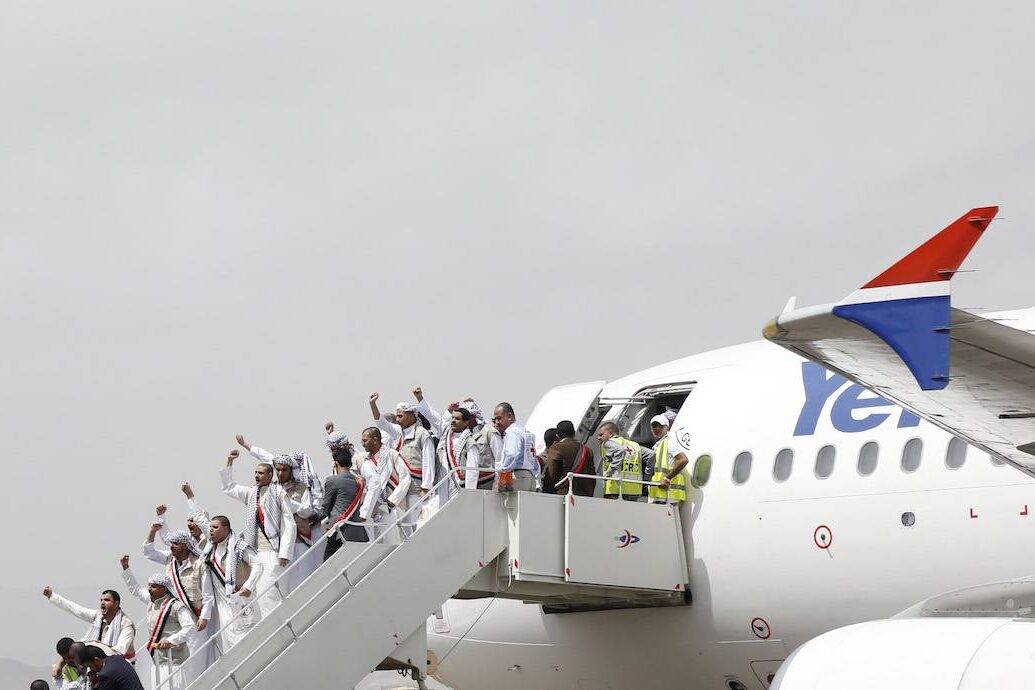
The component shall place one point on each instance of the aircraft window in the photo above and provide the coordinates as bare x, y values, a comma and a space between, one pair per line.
956, 453
825, 461
782, 465
911, 453
868, 455
742, 467
702, 470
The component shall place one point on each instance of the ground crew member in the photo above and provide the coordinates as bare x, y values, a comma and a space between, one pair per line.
669, 463
620, 461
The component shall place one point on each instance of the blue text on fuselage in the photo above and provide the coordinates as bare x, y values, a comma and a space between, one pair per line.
820, 385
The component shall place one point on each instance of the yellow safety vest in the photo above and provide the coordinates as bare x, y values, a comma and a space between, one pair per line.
676, 490
630, 470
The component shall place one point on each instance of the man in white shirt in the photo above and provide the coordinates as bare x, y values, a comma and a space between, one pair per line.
169, 623
518, 451
269, 526
108, 624
387, 482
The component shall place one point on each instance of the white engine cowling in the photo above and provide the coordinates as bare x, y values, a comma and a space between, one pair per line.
916, 654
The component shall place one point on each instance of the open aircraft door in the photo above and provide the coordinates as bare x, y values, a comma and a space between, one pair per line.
577, 402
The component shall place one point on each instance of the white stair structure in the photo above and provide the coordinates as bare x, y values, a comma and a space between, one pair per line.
368, 605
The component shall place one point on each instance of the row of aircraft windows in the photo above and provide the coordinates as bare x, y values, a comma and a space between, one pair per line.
866, 463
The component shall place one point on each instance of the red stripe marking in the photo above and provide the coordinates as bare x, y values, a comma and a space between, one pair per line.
939, 257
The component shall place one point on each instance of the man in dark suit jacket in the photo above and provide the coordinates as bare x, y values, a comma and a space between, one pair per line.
342, 494
107, 672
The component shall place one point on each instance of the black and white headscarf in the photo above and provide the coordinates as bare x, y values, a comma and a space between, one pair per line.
235, 546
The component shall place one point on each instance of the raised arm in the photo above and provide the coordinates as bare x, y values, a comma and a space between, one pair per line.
260, 454
130, 579
80, 612
226, 475
438, 422
194, 511
152, 552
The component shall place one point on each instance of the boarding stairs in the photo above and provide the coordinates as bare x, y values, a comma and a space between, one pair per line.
367, 607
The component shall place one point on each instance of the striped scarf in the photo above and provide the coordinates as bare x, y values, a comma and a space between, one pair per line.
179, 587
235, 546
111, 633
271, 512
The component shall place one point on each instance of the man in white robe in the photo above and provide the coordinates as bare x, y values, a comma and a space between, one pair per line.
185, 567
168, 624
108, 624
416, 445
297, 476
387, 482
269, 527
467, 444
233, 570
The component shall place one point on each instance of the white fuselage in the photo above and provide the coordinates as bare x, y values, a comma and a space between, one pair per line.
779, 560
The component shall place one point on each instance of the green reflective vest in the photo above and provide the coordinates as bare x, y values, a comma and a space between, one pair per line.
630, 469
676, 490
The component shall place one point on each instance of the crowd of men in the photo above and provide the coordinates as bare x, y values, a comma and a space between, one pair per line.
215, 583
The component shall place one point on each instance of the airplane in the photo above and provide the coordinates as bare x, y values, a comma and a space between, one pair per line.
837, 481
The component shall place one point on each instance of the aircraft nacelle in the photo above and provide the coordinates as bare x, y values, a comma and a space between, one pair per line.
906, 654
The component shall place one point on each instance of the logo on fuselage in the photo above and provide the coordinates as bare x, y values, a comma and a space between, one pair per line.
820, 385
626, 538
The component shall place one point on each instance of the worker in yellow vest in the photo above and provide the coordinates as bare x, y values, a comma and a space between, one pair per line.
620, 461
669, 463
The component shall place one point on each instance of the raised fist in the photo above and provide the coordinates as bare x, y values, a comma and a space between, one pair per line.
453, 407
47, 591
160, 509
231, 456
187, 490
374, 397
418, 393
329, 427
241, 441
124, 561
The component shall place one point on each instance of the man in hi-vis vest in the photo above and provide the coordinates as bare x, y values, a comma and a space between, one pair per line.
620, 461
669, 463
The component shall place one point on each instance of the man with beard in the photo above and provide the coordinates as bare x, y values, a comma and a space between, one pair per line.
169, 623
108, 624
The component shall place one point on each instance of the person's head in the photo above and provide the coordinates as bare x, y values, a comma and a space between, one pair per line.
158, 586
342, 457
74, 652
659, 426
550, 437
219, 529
285, 470
263, 474
110, 602
39, 685
405, 415
371, 439
64, 649
91, 657
503, 416
462, 418
565, 429
606, 431
181, 544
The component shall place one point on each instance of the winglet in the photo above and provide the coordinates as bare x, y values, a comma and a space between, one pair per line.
907, 306
940, 257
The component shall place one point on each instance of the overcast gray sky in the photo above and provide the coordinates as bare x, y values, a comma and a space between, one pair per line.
245, 216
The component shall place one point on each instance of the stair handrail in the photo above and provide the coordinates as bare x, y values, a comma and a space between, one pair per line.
215, 635
578, 475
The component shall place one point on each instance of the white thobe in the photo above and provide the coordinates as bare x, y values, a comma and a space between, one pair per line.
443, 427
268, 553
377, 469
227, 605
307, 559
197, 638
397, 436
123, 643
160, 665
